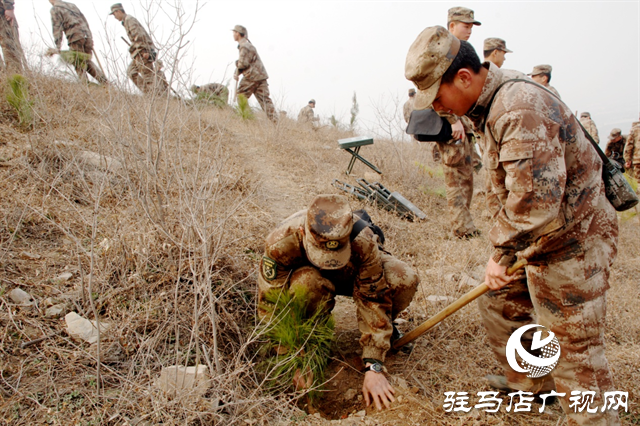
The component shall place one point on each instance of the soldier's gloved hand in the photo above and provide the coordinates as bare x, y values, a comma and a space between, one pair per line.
457, 130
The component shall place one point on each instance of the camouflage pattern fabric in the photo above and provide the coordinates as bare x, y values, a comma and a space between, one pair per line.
615, 147
553, 89
67, 19
306, 115
380, 285
10, 41
534, 146
632, 150
249, 63
407, 108
145, 76
261, 91
217, 89
590, 127
139, 37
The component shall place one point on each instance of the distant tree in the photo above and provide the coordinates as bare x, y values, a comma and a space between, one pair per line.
355, 109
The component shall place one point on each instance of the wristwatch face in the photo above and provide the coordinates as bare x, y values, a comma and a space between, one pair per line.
376, 367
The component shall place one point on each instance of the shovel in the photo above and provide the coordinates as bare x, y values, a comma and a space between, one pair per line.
453, 307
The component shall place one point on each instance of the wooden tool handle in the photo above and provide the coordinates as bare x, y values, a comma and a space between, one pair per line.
450, 309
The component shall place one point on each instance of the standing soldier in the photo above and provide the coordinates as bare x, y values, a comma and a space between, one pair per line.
328, 250
555, 215
587, 122
615, 146
306, 114
216, 89
408, 106
541, 74
142, 70
66, 18
632, 151
254, 75
9, 38
495, 50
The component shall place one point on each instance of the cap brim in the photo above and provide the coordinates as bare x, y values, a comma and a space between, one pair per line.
325, 259
508, 51
424, 98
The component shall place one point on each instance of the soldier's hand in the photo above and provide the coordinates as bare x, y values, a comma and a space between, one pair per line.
376, 388
627, 165
9, 16
457, 130
496, 276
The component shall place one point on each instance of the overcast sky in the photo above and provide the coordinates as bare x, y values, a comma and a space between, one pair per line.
327, 50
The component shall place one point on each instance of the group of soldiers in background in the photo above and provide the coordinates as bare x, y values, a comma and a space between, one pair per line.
460, 159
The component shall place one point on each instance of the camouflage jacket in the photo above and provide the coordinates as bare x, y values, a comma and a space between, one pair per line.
616, 147
553, 89
591, 128
407, 109
249, 63
546, 173
306, 115
66, 18
7, 4
632, 148
140, 39
363, 277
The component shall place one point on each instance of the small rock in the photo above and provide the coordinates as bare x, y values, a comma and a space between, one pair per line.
466, 280
64, 277
29, 256
350, 394
359, 397
400, 321
436, 299
401, 383
414, 390
317, 415
400, 416
361, 413
82, 328
479, 272
193, 381
55, 311
20, 296
400, 399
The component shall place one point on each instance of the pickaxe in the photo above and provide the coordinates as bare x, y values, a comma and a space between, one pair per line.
453, 307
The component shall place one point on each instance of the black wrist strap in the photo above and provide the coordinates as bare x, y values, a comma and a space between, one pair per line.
372, 361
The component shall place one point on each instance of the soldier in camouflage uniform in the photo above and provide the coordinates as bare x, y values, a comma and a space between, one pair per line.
329, 251
254, 75
632, 151
143, 69
67, 19
615, 146
495, 50
306, 114
9, 38
555, 215
590, 126
216, 89
408, 106
541, 74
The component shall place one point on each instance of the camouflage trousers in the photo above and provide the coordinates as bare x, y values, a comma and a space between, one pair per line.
146, 75
547, 297
458, 179
261, 91
11, 48
401, 279
86, 46
492, 204
634, 171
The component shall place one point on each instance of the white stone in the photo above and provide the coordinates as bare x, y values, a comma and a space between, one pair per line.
180, 380
436, 299
361, 413
55, 311
66, 276
20, 296
350, 394
82, 328
468, 281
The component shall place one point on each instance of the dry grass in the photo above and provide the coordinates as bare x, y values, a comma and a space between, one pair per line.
163, 244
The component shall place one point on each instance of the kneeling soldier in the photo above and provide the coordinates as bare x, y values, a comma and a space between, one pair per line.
328, 250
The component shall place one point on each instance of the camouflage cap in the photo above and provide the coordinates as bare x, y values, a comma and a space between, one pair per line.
615, 132
428, 59
462, 14
241, 30
541, 69
585, 115
116, 6
412, 91
495, 43
327, 236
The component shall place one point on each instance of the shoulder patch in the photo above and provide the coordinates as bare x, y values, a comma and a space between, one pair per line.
269, 268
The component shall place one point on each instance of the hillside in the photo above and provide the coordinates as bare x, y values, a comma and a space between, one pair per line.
149, 215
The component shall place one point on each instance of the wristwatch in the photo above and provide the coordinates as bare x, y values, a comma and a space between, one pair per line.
376, 366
